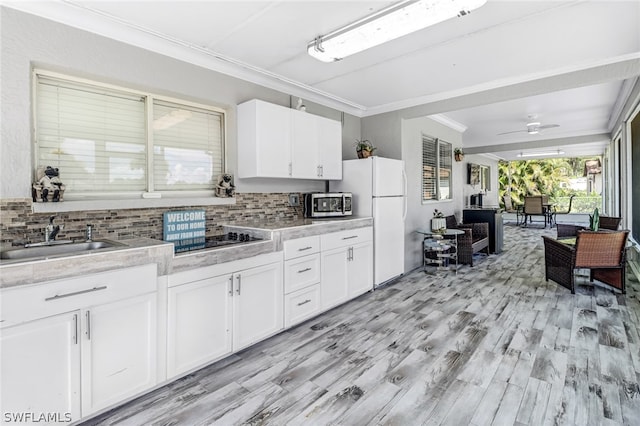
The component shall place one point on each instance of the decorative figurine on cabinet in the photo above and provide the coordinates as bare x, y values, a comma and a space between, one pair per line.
225, 187
48, 185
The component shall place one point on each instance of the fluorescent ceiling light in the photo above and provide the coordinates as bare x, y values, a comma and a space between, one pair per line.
540, 154
388, 24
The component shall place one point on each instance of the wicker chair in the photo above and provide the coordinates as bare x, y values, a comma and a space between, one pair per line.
602, 252
606, 222
474, 239
533, 207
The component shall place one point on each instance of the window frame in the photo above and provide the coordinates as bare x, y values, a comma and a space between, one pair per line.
438, 166
146, 197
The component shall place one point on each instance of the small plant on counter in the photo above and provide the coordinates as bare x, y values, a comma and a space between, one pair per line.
364, 148
437, 213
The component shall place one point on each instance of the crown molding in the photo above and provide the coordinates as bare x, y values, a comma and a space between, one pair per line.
449, 122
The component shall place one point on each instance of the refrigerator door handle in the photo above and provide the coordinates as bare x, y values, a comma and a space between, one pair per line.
404, 209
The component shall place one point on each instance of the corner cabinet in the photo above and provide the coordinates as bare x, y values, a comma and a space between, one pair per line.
79, 345
279, 142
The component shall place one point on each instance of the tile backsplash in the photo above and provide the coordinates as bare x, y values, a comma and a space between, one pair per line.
19, 225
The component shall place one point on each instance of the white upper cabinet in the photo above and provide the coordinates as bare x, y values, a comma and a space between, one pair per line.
264, 140
274, 141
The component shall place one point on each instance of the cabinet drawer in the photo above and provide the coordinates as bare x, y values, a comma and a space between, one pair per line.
301, 272
346, 238
301, 305
301, 247
27, 303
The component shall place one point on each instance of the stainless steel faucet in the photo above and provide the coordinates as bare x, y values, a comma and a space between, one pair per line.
51, 231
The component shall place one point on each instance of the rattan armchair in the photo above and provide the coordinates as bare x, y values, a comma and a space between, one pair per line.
602, 252
606, 222
474, 239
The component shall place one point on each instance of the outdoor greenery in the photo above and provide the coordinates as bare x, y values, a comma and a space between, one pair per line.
546, 177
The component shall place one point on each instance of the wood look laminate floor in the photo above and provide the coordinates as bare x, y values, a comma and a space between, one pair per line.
493, 345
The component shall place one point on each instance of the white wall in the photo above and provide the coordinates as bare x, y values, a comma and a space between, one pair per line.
490, 197
29, 41
418, 214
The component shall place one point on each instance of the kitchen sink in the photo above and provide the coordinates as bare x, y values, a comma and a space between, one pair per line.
48, 250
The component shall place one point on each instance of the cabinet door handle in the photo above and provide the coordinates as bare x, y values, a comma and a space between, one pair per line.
305, 248
231, 286
290, 169
321, 171
304, 303
304, 270
239, 277
88, 317
350, 238
75, 329
75, 293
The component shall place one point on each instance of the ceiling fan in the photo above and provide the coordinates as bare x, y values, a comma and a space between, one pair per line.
533, 127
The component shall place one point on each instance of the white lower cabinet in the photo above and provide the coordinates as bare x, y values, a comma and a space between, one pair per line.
40, 368
95, 347
199, 323
257, 304
301, 305
118, 351
217, 310
347, 265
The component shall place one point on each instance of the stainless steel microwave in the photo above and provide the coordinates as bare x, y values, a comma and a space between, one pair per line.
328, 204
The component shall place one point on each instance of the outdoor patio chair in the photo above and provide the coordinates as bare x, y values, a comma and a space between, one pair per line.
510, 208
533, 207
554, 212
602, 252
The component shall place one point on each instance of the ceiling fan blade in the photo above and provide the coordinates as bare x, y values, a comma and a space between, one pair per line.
515, 131
548, 126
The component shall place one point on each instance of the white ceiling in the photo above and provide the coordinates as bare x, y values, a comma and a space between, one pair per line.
567, 62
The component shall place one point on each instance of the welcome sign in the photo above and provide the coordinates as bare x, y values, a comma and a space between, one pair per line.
185, 229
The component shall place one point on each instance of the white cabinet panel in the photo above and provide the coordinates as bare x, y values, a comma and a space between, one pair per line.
301, 272
118, 351
360, 269
301, 305
275, 141
199, 323
264, 140
334, 278
40, 367
301, 247
257, 304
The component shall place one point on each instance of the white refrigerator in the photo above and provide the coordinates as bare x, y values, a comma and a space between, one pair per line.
379, 190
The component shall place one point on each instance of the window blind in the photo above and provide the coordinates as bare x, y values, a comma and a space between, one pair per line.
187, 147
95, 137
436, 169
429, 168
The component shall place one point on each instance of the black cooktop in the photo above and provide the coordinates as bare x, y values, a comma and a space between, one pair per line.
231, 238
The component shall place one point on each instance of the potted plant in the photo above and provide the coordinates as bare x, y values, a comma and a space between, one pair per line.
458, 154
438, 223
364, 148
